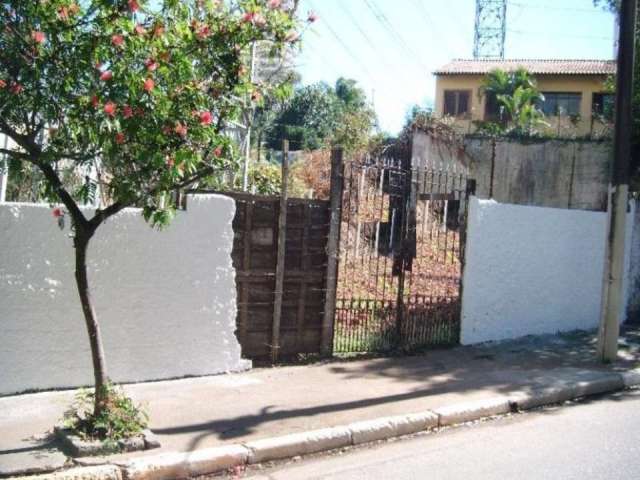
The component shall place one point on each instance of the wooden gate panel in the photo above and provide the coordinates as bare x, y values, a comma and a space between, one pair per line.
254, 257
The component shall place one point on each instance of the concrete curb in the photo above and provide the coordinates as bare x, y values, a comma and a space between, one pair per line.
388, 427
631, 378
295, 444
183, 465
466, 412
99, 472
172, 465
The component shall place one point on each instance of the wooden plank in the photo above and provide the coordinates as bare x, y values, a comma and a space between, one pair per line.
246, 264
333, 245
438, 196
298, 275
282, 237
302, 299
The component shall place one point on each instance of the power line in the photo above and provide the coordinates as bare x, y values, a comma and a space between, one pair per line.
364, 34
431, 26
388, 26
346, 48
558, 34
555, 7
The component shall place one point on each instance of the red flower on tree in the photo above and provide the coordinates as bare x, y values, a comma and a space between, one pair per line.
38, 36
16, 88
2, 83
218, 152
149, 84
205, 118
180, 129
127, 111
117, 40
273, 4
140, 30
110, 108
106, 75
133, 5
203, 32
120, 138
151, 64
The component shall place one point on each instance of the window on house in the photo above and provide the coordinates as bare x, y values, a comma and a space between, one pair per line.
492, 107
456, 102
560, 104
603, 105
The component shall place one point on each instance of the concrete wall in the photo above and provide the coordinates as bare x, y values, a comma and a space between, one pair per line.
562, 126
633, 305
532, 270
553, 173
166, 300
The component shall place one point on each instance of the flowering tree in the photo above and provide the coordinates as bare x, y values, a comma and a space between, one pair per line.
139, 92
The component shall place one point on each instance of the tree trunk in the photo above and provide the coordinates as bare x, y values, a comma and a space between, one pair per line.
81, 243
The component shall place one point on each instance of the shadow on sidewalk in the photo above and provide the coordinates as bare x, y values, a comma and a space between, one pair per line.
500, 368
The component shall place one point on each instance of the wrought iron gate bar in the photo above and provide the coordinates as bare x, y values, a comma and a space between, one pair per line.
401, 257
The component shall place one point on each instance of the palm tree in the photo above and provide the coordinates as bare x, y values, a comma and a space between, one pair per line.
522, 111
513, 97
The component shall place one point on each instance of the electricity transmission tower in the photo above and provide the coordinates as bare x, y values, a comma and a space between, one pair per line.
490, 29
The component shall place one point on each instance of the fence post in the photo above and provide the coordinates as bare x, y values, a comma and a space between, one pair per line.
282, 237
470, 191
333, 246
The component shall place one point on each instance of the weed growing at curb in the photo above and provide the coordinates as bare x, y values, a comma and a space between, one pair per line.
121, 418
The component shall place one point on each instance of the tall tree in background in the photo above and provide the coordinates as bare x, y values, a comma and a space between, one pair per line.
308, 119
356, 117
140, 91
319, 115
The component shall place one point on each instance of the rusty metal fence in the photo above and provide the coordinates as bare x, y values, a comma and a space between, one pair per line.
401, 256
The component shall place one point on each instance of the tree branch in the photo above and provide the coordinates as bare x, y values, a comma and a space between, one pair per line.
25, 141
102, 214
18, 155
65, 196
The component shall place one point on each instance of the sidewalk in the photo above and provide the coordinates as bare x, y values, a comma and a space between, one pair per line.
195, 413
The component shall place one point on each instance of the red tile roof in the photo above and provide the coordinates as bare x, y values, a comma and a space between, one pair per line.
536, 67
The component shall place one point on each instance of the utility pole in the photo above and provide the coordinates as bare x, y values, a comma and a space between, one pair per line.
248, 121
612, 292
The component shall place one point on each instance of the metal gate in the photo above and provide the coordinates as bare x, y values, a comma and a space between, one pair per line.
401, 257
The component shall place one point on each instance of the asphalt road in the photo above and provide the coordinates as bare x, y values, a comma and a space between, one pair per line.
595, 439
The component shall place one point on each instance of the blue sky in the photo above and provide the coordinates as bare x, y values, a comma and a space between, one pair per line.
394, 63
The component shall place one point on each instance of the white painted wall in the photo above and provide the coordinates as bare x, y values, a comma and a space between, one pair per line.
532, 270
166, 300
633, 304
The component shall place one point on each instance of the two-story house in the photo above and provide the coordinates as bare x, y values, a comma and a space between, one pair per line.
576, 101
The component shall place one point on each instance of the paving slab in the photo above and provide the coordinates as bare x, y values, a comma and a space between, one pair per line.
197, 413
